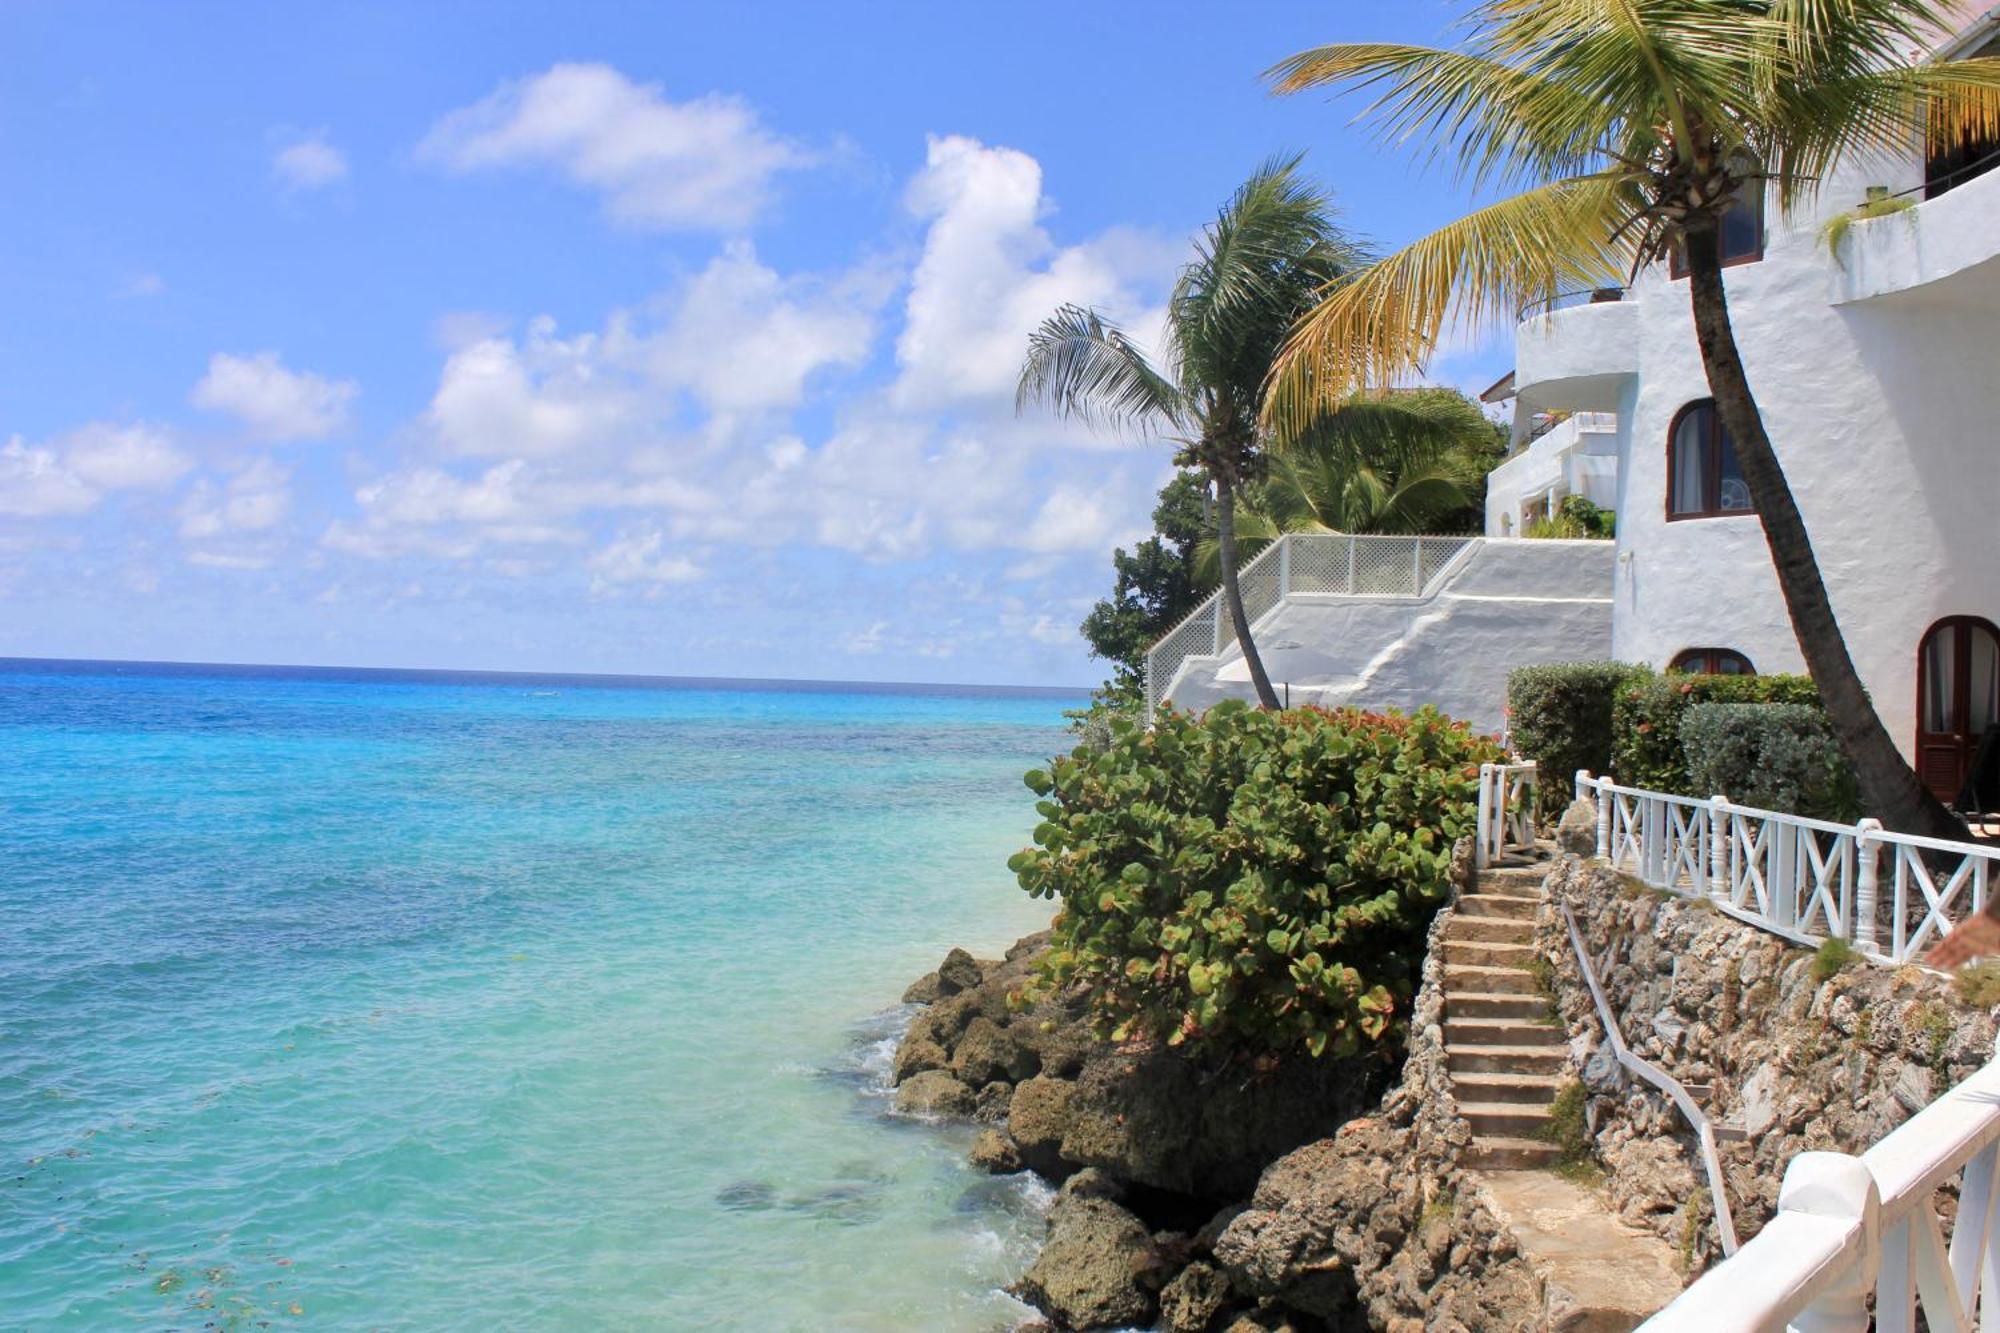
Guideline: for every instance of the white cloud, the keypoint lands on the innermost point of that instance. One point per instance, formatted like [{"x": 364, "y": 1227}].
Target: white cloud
[
  {"x": 253, "y": 500},
  {"x": 229, "y": 560},
  {"x": 274, "y": 403},
  {"x": 541, "y": 398},
  {"x": 140, "y": 286},
  {"x": 1070, "y": 520},
  {"x": 71, "y": 473},
  {"x": 309, "y": 162},
  {"x": 989, "y": 274},
  {"x": 638, "y": 557},
  {"x": 703, "y": 163}
]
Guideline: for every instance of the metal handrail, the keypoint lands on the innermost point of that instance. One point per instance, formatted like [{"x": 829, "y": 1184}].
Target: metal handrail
[
  {"x": 1711, "y": 1160},
  {"x": 1575, "y": 297},
  {"x": 1950, "y": 179}
]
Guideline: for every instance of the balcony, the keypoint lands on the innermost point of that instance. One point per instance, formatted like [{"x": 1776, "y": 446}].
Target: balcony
[
  {"x": 1574, "y": 353},
  {"x": 1940, "y": 251}
]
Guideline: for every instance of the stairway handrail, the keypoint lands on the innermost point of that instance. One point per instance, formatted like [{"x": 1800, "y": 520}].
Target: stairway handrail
[{"x": 1711, "y": 1160}]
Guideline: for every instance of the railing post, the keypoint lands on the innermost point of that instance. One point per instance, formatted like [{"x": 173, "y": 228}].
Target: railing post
[
  {"x": 1652, "y": 843},
  {"x": 1604, "y": 800},
  {"x": 1781, "y": 870},
  {"x": 1582, "y": 783},
  {"x": 1867, "y": 882},
  {"x": 1481, "y": 856},
  {"x": 1838, "y": 1187},
  {"x": 1718, "y": 865}
]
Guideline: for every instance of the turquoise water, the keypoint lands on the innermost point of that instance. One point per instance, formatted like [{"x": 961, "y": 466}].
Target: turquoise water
[{"x": 374, "y": 1002}]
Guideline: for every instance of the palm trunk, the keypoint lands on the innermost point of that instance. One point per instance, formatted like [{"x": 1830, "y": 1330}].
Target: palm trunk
[
  {"x": 1232, "y": 592},
  {"x": 1889, "y": 788}
]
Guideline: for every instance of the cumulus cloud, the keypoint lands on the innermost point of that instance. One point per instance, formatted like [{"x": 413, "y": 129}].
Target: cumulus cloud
[
  {"x": 255, "y": 499},
  {"x": 708, "y": 162},
  {"x": 308, "y": 162},
  {"x": 640, "y": 557},
  {"x": 70, "y": 474},
  {"x": 542, "y": 397},
  {"x": 273, "y": 402}
]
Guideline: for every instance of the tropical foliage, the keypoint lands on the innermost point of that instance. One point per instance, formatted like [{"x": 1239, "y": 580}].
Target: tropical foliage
[
  {"x": 1412, "y": 461},
  {"x": 1628, "y": 128},
  {"x": 1560, "y": 716},
  {"x": 1257, "y": 267},
  {"x": 1252, "y": 882},
  {"x": 1649, "y": 709},
  {"x": 1772, "y": 756}
]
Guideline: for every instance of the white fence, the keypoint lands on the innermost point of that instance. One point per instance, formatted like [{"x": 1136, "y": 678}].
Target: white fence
[
  {"x": 1851, "y": 1227},
  {"x": 1323, "y": 563},
  {"x": 1891, "y": 895},
  {"x": 1506, "y": 811}
]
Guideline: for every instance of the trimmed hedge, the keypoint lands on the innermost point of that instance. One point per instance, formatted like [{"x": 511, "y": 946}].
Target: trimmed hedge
[
  {"x": 1561, "y": 716},
  {"x": 1250, "y": 883},
  {"x": 1647, "y": 720},
  {"x": 1776, "y": 756}
]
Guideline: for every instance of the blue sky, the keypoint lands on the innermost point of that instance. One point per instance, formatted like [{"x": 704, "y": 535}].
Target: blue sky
[{"x": 606, "y": 337}]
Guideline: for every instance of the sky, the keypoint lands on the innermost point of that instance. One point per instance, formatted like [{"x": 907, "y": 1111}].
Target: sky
[{"x": 673, "y": 339}]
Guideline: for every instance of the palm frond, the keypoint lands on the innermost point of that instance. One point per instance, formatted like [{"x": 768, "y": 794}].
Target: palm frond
[{"x": 1081, "y": 365}]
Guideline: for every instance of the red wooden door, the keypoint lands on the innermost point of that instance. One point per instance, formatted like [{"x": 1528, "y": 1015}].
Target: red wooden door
[{"x": 1958, "y": 697}]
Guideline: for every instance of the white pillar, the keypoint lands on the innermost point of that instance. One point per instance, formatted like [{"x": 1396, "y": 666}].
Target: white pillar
[
  {"x": 1838, "y": 1187},
  {"x": 1718, "y": 862},
  {"x": 1481, "y": 856},
  {"x": 1867, "y": 883},
  {"x": 1604, "y": 800}
]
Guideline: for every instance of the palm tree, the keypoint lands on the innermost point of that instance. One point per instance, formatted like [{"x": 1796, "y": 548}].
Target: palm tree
[
  {"x": 1629, "y": 126},
  {"x": 1269, "y": 253},
  {"x": 1405, "y": 462}
]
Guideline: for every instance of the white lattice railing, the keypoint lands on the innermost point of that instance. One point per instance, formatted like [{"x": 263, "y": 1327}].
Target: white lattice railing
[
  {"x": 1804, "y": 879},
  {"x": 1308, "y": 563},
  {"x": 1848, "y": 1228},
  {"x": 1506, "y": 811}
]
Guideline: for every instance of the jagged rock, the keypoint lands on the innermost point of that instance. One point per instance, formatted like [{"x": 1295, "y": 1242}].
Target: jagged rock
[
  {"x": 1086, "y": 1275},
  {"x": 1204, "y": 1239},
  {"x": 1191, "y": 1302},
  {"x": 994, "y": 1100},
  {"x": 926, "y": 989},
  {"x": 1601, "y": 1071},
  {"x": 1090, "y": 1183},
  {"x": 1576, "y": 831},
  {"x": 1028, "y": 946},
  {"x": 994, "y": 1153},
  {"x": 987, "y": 1052},
  {"x": 959, "y": 971},
  {"x": 916, "y": 1055},
  {"x": 935, "y": 1093},
  {"x": 1038, "y": 1117}
]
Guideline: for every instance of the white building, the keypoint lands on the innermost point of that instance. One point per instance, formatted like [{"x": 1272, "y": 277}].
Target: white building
[{"x": 1876, "y": 364}]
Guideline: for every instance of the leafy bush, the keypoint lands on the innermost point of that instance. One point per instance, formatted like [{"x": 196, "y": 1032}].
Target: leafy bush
[
  {"x": 1773, "y": 756},
  {"x": 1560, "y": 716},
  {"x": 1252, "y": 882},
  {"x": 1647, "y": 721},
  {"x": 1578, "y": 517},
  {"x": 1109, "y": 709}
]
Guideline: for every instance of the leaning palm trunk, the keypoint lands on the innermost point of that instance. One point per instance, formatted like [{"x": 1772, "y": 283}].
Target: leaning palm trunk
[
  {"x": 1232, "y": 591},
  {"x": 1901, "y": 801}
]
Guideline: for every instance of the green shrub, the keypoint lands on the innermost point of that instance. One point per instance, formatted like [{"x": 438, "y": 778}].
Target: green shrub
[
  {"x": 1249, "y": 882},
  {"x": 1560, "y": 716},
  {"x": 1832, "y": 955},
  {"x": 1646, "y": 721},
  {"x": 1773, "y": 756}
]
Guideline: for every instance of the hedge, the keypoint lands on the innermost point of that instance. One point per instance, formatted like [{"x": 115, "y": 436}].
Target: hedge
[
  {"x": 1560, "y": 716},
  {"x": 1776, "y": 756},
  {"x": 1250, "y": 883},
  {"x": 1647, "y": 718}
]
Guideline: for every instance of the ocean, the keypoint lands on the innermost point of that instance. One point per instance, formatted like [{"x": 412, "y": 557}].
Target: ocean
[{"x": 400, "y": 1000}]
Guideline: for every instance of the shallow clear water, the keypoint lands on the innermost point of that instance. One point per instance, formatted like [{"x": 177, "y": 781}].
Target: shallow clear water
[{"x": 379, "y": 1003}]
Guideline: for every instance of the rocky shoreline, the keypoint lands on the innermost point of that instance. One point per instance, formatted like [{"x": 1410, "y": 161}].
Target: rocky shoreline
[{"x": 1157, "y": 1221}]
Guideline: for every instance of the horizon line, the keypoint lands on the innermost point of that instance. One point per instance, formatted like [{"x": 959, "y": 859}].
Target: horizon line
[{"x": 584, "y": 677}]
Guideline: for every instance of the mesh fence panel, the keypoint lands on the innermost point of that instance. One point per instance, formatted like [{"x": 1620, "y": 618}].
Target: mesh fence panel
[
  {"x": 1385, "y": 567},
  {"x": 1319, "y": 562},
  {"x": 1193, "y": 637},
  {"x": 1437, "y": 553}
]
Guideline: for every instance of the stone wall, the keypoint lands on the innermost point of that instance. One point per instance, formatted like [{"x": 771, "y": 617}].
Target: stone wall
[{"x": 1798, "y": 1061}]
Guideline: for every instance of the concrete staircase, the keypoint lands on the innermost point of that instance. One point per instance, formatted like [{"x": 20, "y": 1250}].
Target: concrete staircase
[{"x": 1504, "y": 1053}]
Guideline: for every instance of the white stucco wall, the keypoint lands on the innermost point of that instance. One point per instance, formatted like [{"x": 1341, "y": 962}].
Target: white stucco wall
[
  {"x": 1508, "y": 604},
  {"x": 1881, "y": 392},
  {"x": 1576, "y": 457}
]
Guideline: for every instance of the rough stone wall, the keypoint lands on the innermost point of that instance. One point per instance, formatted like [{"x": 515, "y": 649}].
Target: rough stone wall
[{"x": 1799, "y": 1062}]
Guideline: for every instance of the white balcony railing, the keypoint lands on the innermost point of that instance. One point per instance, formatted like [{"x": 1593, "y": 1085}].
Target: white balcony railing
[
  {"x": 1302, "y": 563},
  {"x": 1506, "y": 811},
  {"x": 1848, "y": 1228},
  {"x": 1890, "y": 895}
]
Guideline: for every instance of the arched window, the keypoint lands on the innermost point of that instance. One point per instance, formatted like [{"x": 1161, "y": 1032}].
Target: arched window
[
  {"x": 1958, "y": 699},
  {"x": 1703, "y": 480},
  {"x": 1712, "y": 662}
]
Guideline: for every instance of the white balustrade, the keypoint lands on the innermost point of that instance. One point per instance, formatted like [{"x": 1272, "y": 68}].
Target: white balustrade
[
  {"x": 1891, "y": 895},
  {"x": 1506, "y": 811},
  {"x": 1851, "y": 1227}
]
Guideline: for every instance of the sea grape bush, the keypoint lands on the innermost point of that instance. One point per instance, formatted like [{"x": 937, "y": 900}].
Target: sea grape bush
[{"x": 1247, "y": 883}]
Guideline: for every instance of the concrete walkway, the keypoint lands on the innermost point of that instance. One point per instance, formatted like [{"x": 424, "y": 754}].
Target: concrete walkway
[{"x": 1598, "y": 1274}]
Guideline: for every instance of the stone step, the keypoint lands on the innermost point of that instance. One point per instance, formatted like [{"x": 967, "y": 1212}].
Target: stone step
[
  {"x": 1510, "y": 929},
  {"x": 1505, "y": 1059},
  {"x": 1512, "y": 879},
  {"x": 1489, "y": 980},
  {"x": 1498, "y": 904},
  {"x": 1530, "y": 1089},
  {"x": 1505, "y": 1153},
  {"x": 1488, "y": 953},
  {"x": 1597, "y": 1274},
  {"x": 1525, "y": 1120},
  {"x": 1479, "y": 1005},
  {"x": 1501, "y": 1032}
]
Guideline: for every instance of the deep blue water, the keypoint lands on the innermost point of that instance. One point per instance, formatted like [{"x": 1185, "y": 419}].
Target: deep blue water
[{"x": 446, "y": 1000}]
